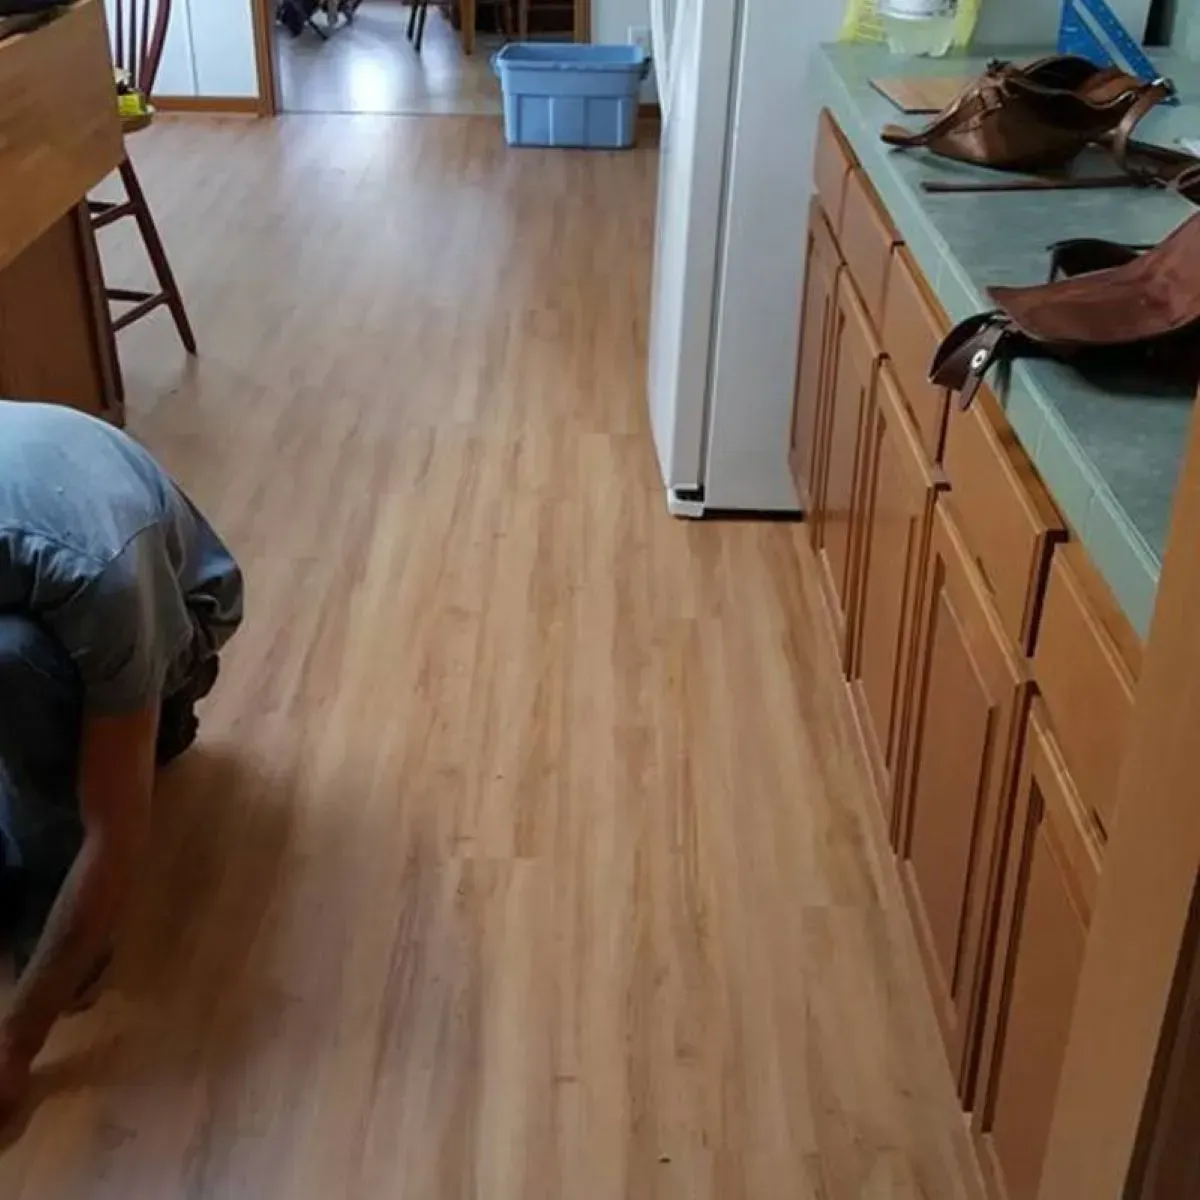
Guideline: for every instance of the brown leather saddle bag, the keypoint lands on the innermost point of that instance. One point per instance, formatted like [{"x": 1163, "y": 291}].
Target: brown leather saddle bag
[
  {"x": 1119, "y": 313},
  {"x": 1038, "y": 117}
]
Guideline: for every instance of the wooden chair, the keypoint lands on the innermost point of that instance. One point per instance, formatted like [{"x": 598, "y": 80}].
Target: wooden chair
[
  {"x": 138, "y": 34},
  {"x": 514, "y": 19}
]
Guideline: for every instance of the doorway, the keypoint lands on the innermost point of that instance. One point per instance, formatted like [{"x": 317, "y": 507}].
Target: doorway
[{"x": 365, "y": 56}]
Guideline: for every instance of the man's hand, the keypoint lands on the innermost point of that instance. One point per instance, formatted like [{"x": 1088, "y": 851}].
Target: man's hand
[{"x": 115, "y": 783}]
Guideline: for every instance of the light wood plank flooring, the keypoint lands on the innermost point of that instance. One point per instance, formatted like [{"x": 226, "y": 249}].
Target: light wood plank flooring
[{"x": 524, "y": 855}]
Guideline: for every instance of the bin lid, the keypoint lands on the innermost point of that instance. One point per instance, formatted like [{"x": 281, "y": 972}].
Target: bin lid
[{"x": 571, "y": 56}]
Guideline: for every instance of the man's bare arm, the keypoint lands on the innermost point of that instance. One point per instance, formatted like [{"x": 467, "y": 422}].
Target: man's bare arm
[{"x": 116, "y": 780}]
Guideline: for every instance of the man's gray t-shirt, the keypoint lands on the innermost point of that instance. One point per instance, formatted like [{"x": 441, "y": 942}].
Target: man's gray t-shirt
[{"x": 100, "y": 547}]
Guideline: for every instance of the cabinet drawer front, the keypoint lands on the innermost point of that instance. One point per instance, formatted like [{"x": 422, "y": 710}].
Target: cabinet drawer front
[
  {"x": 1049, "y": 891},
  {"x": 970, "y": 693},
  {"x": 913, "y": 327},
  {"x": 1087, "y": 689},
  {"x": 867, "y": 240},
  {"x": 834, "y": 162},
  {"x": 1007, "y": 517}
]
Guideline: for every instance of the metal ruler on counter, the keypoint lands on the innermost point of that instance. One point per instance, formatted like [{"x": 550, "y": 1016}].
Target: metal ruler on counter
[{"x": 1092, "y": 30}]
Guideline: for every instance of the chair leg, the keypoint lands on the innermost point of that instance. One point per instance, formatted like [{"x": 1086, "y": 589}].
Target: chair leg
[
  {"x": 421, "y": 25},
  {"x": 158, "y": 254},
  {"x": 413, "y": 8}
]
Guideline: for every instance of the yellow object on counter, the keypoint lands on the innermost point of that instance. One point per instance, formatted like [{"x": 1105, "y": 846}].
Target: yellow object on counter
[{"x": 862, "y": 22}]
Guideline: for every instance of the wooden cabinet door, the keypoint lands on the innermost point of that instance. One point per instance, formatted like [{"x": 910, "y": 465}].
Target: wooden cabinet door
[
  {"x": 970, "y": 692},
  {"x": 855, "y": 358},
  {"x": 812, "y": 370},
  {"x": 1047, "y": 903},
  {"x": 897, "y": 508},
  {"x": 56, "y": 339}
]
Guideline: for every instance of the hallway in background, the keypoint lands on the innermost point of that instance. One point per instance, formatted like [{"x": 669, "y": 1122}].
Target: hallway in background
[{"x": 367, "y": 65}]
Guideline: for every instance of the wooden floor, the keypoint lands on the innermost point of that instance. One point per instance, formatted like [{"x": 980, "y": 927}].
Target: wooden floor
[
  {"x": 523, "y": 856},
  {"x": 369, "y": 66}
]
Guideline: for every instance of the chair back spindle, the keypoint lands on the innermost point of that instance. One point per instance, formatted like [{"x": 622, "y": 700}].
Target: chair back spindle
[{"x": 138, "y": 34}]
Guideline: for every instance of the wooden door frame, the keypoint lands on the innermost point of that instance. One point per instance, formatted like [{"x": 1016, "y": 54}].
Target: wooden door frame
[
  {"x": 266, "y": 50},
  {"x": 1140, "y": 933}
]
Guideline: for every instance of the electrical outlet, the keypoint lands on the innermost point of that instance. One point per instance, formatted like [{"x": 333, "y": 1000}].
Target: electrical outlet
[{"x": 639, "y": 35}]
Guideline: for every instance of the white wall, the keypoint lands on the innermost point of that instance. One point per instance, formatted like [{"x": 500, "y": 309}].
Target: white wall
[
  {"x": 611, "y": 20},
  {"x": 209, "y": 49}
]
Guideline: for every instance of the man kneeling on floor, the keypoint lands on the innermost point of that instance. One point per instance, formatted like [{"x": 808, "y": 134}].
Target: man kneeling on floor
[{"x": 115, "y": 597}]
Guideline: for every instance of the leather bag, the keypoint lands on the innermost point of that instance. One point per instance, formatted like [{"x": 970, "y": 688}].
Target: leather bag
[
  {"x": 1038, "y": 117},
  {"x": 1119, "y": 312}
]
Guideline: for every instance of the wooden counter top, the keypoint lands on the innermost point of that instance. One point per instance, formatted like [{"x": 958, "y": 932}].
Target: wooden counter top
[{"x": 59, "y": 129}]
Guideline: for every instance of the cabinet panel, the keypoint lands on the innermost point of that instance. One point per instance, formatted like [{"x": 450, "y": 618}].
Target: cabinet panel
[
  {"x": 867, "y": 240},
  {"x": 813, "y": 367},
  {"x": 898, "y": 505},
  {"x": 855, "y": 356},
  {"x": 1005, "y": 514},
  {"x": 834, "y": 162},
  {"x": 970, "y": 695},
  {"x": 55, "y": 337},
  {"x": 1047, "y": 901},
  {"x": 1087, "y": 689}
]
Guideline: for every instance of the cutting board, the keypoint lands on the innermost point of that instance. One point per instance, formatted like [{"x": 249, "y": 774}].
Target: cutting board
[{"x": 922, "y": 94}]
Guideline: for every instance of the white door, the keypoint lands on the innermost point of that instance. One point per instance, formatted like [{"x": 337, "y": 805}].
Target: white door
[{"x": 695, "y": 60}]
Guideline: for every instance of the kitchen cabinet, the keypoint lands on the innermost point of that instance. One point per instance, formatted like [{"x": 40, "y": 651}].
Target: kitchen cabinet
[
  {"x": 1046, "y": 908},
  {"x": 61, "y": 136},
  {"x": 898, "y": 505},
  {"x": 56, "y": 339},
  {"x": 854, "y": 355},
  {"x": 970, "y": 691},
  {"x": 998, "y": 691},
  {"x": 822, "y": 264}
]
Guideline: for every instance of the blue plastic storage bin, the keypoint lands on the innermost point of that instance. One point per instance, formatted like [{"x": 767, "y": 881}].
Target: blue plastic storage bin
[{"x": 571, "y": 95}]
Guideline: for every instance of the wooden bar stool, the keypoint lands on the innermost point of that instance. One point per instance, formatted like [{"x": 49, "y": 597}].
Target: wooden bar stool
[{"x": 139, "y": 33}]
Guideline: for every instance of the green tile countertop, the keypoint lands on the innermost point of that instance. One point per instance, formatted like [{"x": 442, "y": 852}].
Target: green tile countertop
[{"x": 1111, "y": 460}]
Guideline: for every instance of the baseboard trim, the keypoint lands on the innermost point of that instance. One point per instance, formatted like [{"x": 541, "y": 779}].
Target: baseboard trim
[{"x": 246, "y": 105}]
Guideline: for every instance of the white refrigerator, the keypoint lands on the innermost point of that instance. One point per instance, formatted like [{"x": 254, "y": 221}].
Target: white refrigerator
[{"x": 734, "y": 184}]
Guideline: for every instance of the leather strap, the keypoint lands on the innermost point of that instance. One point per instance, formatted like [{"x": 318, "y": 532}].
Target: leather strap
[
  {"x": 1151, "y": 96},
  {"x": 907, "y": 139},
  {"x": 969, "y": 350},
  {"x": 1187, "y": 183}
]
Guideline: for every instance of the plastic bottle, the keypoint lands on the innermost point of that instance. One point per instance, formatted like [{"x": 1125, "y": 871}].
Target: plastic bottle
[{"x": 917, "y": 27}]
